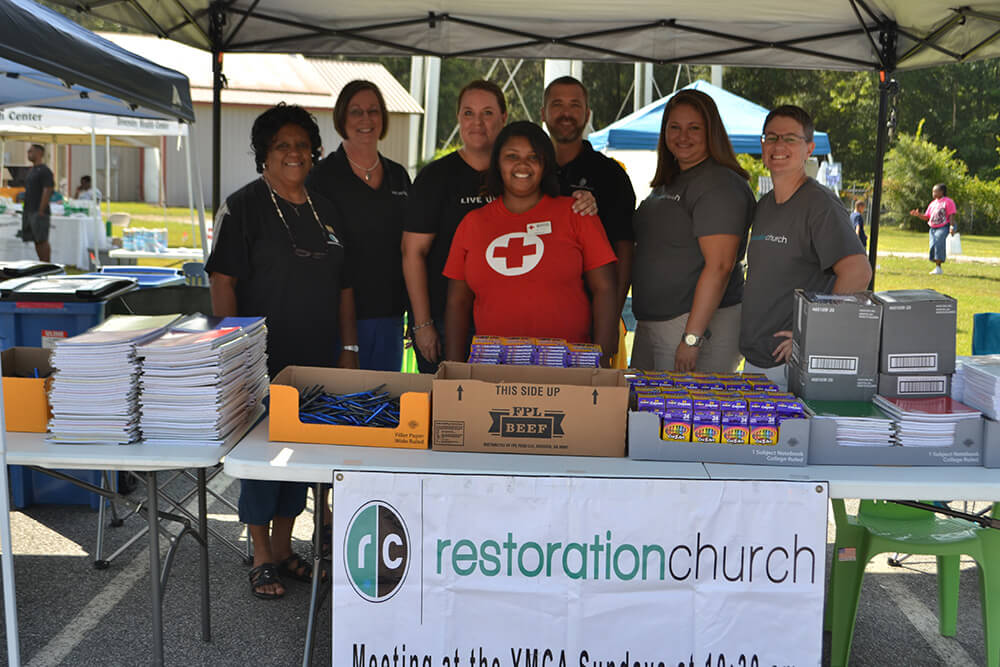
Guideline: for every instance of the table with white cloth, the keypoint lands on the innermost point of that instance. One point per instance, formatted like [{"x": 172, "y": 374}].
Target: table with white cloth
[
  {"x": 72, "y": 239},
  {"x": 258, "y": 458}
]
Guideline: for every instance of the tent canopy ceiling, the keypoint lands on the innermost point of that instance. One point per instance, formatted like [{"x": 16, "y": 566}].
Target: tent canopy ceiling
[
  {"x": 743, "y": 119},
  {"x": 50, "y": 61},
  {"x": 839, "y": 34}
]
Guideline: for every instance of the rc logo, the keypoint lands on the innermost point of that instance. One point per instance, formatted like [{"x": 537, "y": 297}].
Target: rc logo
[
  {"x": 515, "y": 254},
  {"x": 376, "y": 551}
]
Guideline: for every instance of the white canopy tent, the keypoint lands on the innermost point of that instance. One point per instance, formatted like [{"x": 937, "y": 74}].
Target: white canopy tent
[{"x": 876, "y": 35}]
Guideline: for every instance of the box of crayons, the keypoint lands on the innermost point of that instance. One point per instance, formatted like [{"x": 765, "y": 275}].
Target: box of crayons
[{"x": 715, "y": 418}]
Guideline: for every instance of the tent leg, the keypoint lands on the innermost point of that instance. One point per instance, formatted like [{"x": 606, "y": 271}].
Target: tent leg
[
  {"x": 199, "y": 193},
  {"x": 7, "y": 556},
  {"x": 217, "y": 23}
]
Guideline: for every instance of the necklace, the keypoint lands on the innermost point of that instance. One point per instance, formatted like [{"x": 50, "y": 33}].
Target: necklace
[
  {"x": 295, "y": 248},
  {"x": 368, "y": 170}
]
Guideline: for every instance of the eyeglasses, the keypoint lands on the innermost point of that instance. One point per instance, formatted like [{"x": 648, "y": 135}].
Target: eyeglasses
[
  {"x": 296, "y": 250},
  {"x": 787, "y": 139}
]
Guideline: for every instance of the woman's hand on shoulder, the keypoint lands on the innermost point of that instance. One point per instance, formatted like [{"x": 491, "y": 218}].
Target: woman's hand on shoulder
[{"x": 584, "y": 202}]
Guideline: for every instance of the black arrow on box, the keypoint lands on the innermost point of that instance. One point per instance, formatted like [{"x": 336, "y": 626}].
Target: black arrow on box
[
  {"x": 595, "y": 397},
  {"x": 460, "y": 392}
]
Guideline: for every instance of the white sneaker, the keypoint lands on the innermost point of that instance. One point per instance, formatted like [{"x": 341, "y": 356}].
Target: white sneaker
[{"x": 936, "y": 271}]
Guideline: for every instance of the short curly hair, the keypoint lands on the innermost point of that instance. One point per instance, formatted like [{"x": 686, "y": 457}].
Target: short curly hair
[
  {"x": 270, "y": 123},
  {"x": 540, "y": 143}
]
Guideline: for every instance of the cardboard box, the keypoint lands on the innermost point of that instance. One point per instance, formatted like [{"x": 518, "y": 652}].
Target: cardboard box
[
  {"x": 835, "y": 346},
  {"x": 644, "y": 442},
  {"x": 414, "y": 390},
  {"x": 529, "y": 410},
  {"x": 25, "y": 397},
  {"x": 914, "y": 386},
  {"x": 918, "y": 331}
]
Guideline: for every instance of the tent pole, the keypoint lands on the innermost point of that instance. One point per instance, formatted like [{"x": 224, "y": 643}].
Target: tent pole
[
  {"x": 93, "y": 160},
  {"x": 887, "y": 90},
  {"x": 201, "y": 205},
  {"x": 217, "y": 18},
  {"x": 107, "y": 174},
  {"x": 7, "y": 555},
  {"x": 3, "y": 151}
]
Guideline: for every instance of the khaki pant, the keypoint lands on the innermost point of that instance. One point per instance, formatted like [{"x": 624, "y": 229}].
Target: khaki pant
[{"x": 656, "y": 343}]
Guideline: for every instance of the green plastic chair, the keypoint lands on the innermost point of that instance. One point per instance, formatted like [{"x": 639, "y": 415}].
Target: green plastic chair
[{"x": 885, "y": 527}]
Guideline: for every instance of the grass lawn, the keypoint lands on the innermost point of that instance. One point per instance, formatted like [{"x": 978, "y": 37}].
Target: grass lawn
[{"x": 898, "y": 240}]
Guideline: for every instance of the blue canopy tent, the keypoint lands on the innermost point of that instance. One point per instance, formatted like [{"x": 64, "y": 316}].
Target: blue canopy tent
[{"x": 743, "y": 119}]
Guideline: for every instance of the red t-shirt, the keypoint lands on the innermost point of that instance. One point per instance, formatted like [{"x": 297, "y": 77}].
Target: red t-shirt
[{"x": 526, "y": 271}]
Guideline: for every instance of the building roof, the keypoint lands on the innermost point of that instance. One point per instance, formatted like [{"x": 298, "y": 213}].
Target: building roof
[{"x": 264, "y": 79}]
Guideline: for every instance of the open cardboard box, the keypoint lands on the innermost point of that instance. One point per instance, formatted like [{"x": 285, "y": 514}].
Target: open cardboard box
[
  {"x": 25, "y": 397},
  {"x": 413, "y": 389},
  {"x": 529, "y": 410}
]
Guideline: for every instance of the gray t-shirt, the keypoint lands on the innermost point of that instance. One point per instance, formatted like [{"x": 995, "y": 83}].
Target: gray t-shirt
[
  {"x": 792, "y": 245},
  {"x": 703, "y": 200}
]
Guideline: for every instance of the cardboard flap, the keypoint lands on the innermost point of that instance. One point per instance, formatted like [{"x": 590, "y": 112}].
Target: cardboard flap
[{"x": 583, "y": 377}]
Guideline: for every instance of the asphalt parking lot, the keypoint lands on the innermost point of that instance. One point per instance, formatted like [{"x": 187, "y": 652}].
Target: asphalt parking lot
[{"x": 70, "y": 613}]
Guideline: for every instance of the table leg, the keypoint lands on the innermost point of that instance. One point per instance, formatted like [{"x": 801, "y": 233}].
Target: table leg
[
  {"x": 206, "y": 630},
  {"x": 154, "y": 567},
  {"x": 317, "y": 573}
]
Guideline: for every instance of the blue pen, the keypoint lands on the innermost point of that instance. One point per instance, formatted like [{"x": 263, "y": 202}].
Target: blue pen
[{"x": 36, "y": 372}]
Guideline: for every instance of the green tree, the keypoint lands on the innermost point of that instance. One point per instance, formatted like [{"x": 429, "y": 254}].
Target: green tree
[{"x": 912, "y": 167}]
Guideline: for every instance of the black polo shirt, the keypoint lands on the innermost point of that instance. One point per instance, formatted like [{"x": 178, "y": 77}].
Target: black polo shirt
[
  {"x": 609, "y": 184},
  {"x": 373, "y": 225}
]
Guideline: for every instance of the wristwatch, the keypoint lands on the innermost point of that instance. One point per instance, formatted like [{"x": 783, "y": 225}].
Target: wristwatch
[
  {"x": 351, "y": 348},
  {"x": 694, "y": 340}
]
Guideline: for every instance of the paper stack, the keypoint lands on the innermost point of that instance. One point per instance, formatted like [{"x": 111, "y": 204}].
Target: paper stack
[
  {"x": 926, "y": 422},
  {"x": 982, "y": 384},
  {"x": 95, "y": 387},
  {"x": 859, "y": 423},
  {"x": 203, "y": 387}
]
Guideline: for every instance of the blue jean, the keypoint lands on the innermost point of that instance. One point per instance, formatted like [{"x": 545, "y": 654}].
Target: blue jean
[
  {"x": 938, "y": 237},
  {"x": 380, "y": 343},
  {"x": 262, "y": 500}
]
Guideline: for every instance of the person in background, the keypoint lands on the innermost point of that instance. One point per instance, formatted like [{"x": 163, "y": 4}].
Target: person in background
[
  {"x": 279, "y": 253},
  {"x": 691, "y": 235},
  {"x": 38, "y": 188},
  {"x": 443, "y": 193},
  {"x": 526, "y": 264},
  {"x": 86, "y": 190},
  {"x": 801, "y": 237},
  {"x": 565, "y": 112},
  {"x": 858, "y": 221},
  {"x": 939, "y": 216},
  {"x": 370, "y": 192}
]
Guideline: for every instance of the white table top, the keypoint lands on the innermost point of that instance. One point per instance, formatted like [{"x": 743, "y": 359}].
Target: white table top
[
  {"x": 31, "y": 449},
  {"x": 257, "y": 458},
  {"x": 886, "y": 482},
  {"x": 194, "y": 254}
]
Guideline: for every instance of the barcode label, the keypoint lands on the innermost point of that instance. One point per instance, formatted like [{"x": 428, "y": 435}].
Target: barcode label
[
  {"x": 833, "y": 365},
  {"x": 913, "y": 362},
  {"x": 921, "y": 385}
]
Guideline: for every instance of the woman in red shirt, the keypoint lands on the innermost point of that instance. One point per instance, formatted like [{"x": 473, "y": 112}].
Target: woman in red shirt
[{"x": 526, "y": 264}]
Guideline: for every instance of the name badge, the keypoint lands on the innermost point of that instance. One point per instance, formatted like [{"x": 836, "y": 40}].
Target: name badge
[{"x": 539, "y": 228}]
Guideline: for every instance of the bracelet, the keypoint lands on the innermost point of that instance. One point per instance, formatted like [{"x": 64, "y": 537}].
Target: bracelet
[
  {"x": 425, "y": 324},
  {"x": 351, "y": 348}
]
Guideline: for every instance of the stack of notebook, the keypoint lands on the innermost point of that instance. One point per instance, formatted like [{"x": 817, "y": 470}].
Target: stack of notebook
[
  {"x": 95, "y": 388},
  {"x": 859, "y": 423},
  {"x": 981, "y": 388},
  {"x": 203, "y": 381},
  {"x": 926, "y": 422}
]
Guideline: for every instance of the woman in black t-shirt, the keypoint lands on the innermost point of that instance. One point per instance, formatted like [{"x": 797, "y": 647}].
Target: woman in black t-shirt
[
  {"x": 278, "y": 253},
  {"x": 369, "y": 191}
]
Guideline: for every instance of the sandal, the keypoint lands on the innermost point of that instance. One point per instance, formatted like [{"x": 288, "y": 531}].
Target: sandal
[
  {"x": 264, "y": 575},
  {"x": 298, "y": 568}
]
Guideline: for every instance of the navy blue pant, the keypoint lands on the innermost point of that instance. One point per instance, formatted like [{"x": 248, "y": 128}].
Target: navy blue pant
[
  {"x": 261, "y": 500},
  {"x": 380, "y": 343}
]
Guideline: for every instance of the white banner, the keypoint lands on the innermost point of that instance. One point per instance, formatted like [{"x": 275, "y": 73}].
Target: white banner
[{"x": 493, "y": 571}]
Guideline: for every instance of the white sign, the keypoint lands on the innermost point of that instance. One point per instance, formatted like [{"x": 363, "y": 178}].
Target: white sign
[
  {"x": 494, "y": 571},
  {"x": 61, "y": 121}
]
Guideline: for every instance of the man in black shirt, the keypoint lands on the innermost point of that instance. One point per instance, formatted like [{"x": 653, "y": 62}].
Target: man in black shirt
[
  {"x": 565, "y": 112},
  {"x": 38, "y": 188}
]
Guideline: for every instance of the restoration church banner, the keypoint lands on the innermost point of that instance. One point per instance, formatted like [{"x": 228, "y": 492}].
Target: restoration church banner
[{"x": 498, "y": 571}]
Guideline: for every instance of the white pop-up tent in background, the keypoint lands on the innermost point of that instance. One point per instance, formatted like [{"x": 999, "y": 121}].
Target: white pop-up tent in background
[{"x": 49, "y": 61}]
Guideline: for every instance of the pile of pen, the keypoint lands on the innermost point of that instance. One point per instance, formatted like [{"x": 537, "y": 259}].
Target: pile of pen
[{"x": 374, "y": 408}]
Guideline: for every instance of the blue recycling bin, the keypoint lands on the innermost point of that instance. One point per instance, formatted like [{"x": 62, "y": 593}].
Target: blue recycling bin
[
  {"x": 25, "y": 267},
  {"x": 147, "y": 277},
  {"x": 37, "y": 312}
]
